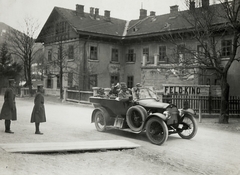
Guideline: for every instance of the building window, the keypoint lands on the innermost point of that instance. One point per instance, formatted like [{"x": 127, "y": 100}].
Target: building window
[
  {"x": 201, "y": 51},
  {"x": 50, "y": 55},
  {"x": 70, "y": 79},
  {"x": 49, "y": 83},
  {"x": 114, "y": 79},
  {"x": 114, "y": 55},
  {"x": 60, "y": 52},
  {"x": 61, "y": 27},
  {"x": 131, "y": 56},
  {"x": 130, "y": 81},
  {"x": 162, "y": 53},
  {"x": 146, "y": 52},
  {"x": 226, "y": 47},
  {"x": 93, "y": 81},
  {"x": 181, "y": 53},
  {"x": 70, "y": 52},
  {"x": 93, "y": 53}
]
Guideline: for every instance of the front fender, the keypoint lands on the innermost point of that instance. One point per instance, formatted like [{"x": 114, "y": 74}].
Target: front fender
[
  {"x": 98, "y": 109},
  {"x": 159, "y": 115},
  {"x": 189, "y": 111}
]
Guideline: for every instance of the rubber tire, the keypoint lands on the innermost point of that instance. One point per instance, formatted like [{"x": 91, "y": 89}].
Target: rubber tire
[
  {"x": 164, "y": 130},
  {"x": 195, "y": 127},
  {"x": 143, "y": 115},
  {"x": 103, "y": 122}
]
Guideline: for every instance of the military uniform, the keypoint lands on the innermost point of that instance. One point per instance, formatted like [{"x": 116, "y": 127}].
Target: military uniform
[
  {"x": 9, "y": 111},
  {"x": 38, "y": 114}
]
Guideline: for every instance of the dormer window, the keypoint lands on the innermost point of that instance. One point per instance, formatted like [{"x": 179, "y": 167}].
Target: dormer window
[
  {"x": 135, "y": 29},
  {"x": 166, "y": 25},
  {"x": 153, "y": 19}
]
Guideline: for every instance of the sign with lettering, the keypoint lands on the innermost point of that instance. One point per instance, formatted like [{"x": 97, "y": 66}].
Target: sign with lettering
[{"x": 200, "y": 90}]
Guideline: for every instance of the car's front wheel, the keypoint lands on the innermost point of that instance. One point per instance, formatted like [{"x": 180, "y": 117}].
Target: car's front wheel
[
  {"x": 100, "y": 121},
  {"x": 156, "y": 130},
  {"x": 188, "y": 126}
]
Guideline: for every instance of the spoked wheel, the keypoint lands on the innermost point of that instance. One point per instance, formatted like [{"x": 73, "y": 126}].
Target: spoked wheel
[
  {"x": 188, "y": 126},
  {"x": 100, "y": 121},
  {"x": 135, "y": 117},
  {"x": 156, "y": 130}
]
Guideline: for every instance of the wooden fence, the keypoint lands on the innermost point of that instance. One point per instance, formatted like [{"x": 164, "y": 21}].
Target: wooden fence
[
  {"x": 78, "y": 96},
  {"x": 208, "y": 104}
]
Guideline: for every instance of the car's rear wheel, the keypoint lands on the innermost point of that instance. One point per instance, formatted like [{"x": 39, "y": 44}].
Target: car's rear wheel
[
  {"x": 156, "y": 131},
  {"x": 136, "y": 117},
  {"x": 100, "y": 121},
  {"x": 188, "y": 128}
]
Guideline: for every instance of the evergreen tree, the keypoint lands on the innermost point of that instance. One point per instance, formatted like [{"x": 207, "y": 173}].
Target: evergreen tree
[{"x": 8, "y": 68}]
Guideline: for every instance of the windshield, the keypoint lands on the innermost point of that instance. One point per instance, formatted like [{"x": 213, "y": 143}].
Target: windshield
[{"x": 143, "y": 93}]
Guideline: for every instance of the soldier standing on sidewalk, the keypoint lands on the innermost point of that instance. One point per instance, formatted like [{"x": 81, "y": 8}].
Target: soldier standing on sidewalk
[
  {"x": 9, "y": 111},
  {"x": 38, "y": 114}
]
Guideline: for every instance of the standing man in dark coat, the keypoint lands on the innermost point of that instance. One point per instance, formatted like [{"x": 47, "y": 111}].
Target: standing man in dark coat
[
  {"x": 38, "y": 113},
  {"x": 9, "y": 111}
]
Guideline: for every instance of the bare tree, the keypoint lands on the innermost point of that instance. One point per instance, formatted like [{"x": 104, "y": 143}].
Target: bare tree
[
  {"x": 22, "y": 44},
  {"x": 213, "y": 26}
]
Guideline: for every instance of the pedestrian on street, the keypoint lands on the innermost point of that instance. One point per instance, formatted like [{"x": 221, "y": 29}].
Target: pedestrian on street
[
  {"x": 38, "y": 114},
  {"x": 9, "y": 111}
]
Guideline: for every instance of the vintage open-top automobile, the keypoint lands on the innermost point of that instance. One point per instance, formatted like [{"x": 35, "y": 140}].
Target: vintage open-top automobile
[{"x": 143, "y": 113}]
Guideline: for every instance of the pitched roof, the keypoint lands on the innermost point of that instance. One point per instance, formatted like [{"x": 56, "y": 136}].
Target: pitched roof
[
  {"x": 89, "y": 24},
  {"x": 170, "y": 22},
  {"x": 122, "y": 28}
]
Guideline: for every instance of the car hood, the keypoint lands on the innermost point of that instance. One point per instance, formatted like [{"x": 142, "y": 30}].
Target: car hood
[{"x": 152, "y": 103}]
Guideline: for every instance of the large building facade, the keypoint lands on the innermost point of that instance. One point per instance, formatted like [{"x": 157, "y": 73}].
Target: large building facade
[{"x": 98, "y": 50}]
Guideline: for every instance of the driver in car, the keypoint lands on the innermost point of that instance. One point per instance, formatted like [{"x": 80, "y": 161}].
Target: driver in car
[{"x": 124, "y": 93}]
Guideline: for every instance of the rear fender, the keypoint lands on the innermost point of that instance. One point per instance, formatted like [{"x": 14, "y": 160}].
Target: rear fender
[
  {"x": 158, "y": 115},
  {"x": 98, "y": 109}
]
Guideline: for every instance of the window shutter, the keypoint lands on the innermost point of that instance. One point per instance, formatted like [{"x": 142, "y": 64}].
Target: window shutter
[
  {"x": 134, "y": 57},
  {"x": 126, "y": 57}
]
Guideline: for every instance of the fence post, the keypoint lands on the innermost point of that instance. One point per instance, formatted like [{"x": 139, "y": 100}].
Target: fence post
[
  {"x": 200, "y": 111},
  {"x": 65, "y": 94},
  {"x": 21, "y": 92}
]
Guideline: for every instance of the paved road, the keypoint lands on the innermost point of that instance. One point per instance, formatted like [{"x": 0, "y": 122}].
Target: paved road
[{"x": 211, "y": 151}]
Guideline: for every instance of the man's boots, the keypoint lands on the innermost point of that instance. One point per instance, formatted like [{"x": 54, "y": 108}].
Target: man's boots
[
  {"x": 7, "y": 126},
  {"x": 37, "y": 129}
]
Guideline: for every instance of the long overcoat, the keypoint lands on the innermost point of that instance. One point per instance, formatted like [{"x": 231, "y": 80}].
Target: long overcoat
[
  {"x": 38, "y": 113},
  {"x": 9, "y": 111}
]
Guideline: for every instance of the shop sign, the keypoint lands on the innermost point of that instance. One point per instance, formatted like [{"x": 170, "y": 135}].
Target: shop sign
[{"x": 200, "y": 90}]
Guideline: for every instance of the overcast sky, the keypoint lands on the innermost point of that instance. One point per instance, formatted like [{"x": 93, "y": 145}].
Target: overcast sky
[{"x": 13, "y": 12}]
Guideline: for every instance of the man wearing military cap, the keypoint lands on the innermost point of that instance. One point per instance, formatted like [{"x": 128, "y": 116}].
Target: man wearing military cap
[
  {"x": 9, "y": 111},
  {"x": 124, "y": 93}
]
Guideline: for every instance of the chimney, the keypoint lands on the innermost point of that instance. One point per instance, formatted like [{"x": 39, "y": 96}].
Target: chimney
[
  {"x": 107, "y": 15},
  {"x": 152, "y": 13},
  {"x": 96, "y": 13},
  {"x": 205, "y": 3},
  {"x": 91, "y": 11},
  {"x": 192, "y": 5},
  {"x": 80, "y": 10},
  {"x": 143, "y": 14},
  {"x": 174, "y": 9}
]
